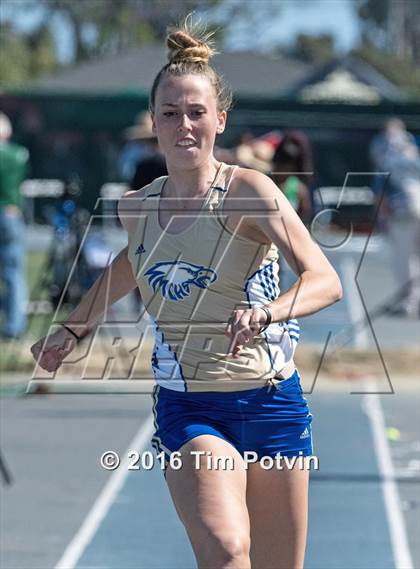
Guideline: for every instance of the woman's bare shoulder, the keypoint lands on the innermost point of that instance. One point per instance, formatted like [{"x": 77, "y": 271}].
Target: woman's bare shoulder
[
  {"x": 256, "y": 192},
  {"x": 251, "y": 183},
  {"x": 130, "y": 205}
]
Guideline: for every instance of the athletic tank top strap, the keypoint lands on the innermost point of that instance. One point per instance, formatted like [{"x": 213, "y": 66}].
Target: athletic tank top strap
[
  {"x": 217, "y": 191},
  {"x": 154, "y": 189},
  {"x": 221, "y": 185}
]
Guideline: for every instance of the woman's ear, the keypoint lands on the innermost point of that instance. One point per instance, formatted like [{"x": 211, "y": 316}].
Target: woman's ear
[
  {"x": 153, "y": 122},
  {"x": 221, "y": 122}
]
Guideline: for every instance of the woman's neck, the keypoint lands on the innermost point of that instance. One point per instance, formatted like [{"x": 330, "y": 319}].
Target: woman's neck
[{"x": 190, "y": 183}]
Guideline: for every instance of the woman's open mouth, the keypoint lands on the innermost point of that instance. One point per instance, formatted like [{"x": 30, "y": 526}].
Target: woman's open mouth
[{"x": 186, "y": 143}]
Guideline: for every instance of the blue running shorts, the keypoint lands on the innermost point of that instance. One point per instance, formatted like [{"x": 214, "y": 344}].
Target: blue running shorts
[{"x": 271, "y": 420}]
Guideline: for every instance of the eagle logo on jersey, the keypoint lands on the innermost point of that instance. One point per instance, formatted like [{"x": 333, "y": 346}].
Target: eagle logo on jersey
[{"x": 174, "y": 279}]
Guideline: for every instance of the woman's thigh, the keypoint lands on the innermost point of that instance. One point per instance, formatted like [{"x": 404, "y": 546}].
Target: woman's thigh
[
  {"x": 210, "y": 499},
  {"x": 278, "y": 510}
]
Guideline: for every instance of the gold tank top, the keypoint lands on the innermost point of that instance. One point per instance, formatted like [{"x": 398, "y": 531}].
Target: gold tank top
[{"x": 190, "y": 283}]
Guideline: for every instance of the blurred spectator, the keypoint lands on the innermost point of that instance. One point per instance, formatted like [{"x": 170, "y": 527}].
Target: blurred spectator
[
  {"x": 226, "y": 155},
  {"x": 150, "y": 168},
  {"x": 394, "y": 151},
  {"x": 150, "y": 163},
  {"x": 65, "y": 154},
  {"x": 254, "y": 153},
  {"x": 292, "y": 172},
  {"x": 13, "y": 169},
  {"x": 137, "y": 147}
]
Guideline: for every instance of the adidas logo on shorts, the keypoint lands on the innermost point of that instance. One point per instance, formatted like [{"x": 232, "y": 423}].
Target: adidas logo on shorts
[{"x": 305, "y": 434}]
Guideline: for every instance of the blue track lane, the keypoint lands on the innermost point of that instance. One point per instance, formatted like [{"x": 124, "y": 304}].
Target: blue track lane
[{"x": 347, "y": 521}]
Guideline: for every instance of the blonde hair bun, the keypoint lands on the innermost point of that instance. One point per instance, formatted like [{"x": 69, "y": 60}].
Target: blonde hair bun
[
  {"x": 190, "y": 48},
  {"x": 190, "y": 43}
]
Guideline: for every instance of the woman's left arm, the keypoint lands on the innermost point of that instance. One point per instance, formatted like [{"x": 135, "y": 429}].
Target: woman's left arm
[{"x": 317, "y": 286}]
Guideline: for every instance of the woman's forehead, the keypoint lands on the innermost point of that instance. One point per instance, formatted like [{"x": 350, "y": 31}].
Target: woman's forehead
[{"x": 174, "y": 90}]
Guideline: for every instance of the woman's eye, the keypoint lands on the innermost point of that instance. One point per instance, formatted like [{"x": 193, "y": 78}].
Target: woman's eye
[{"x": 174, "y": 113}]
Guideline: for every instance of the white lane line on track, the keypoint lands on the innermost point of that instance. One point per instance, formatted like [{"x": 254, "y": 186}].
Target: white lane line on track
[
  {"x": 104, "y": 501},
  {"x": 357, "y": 313},
  {"x": 399, "y": 541}
]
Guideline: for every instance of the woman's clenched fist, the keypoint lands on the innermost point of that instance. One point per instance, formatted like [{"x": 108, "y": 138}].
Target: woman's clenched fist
[
  {"x": 51, "y": 350},
  {"x": 242, "y": 326}
]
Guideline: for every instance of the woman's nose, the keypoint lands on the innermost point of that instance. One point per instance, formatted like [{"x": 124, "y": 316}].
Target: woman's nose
[{"x": 184, "y": 123}]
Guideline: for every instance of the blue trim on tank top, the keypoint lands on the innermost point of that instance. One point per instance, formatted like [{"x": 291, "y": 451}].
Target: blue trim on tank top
[{"x": 150, "y": 196}]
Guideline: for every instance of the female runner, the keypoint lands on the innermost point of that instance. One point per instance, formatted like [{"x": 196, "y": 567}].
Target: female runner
[{"x": 204, "y": 255}]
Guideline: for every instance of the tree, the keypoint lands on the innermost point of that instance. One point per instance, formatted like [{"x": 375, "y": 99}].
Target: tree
[
  {"x": 401, "y": 72},
  {"x": 392, "y": 25},
  {"x": 24, "y": 57},
  {"x": 105, "y": 27},
  {"x": 313, "y": 49},
  {"x": 390, "y": 40},
  {"x": 43, "y": 57}
]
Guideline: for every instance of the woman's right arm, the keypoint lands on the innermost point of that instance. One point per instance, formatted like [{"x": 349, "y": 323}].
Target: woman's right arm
[{"x": 116, "y": 281}]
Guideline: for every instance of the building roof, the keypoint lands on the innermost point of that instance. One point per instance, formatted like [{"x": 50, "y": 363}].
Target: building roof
[
  {"x": 247, "y": 73},
  {"x": 345, "y": 80}
]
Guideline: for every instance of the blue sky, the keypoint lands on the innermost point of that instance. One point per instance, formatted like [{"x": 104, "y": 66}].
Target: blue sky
[
  {"x": 294, "y": 16},
  {"x": 336, "y": 17}
]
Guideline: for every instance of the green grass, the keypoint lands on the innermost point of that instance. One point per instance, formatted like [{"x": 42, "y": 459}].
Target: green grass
[
  {"x": 35, "y": 263},
  {"x": 37, "y": 272},
  {"x": 16, "y": 355}
]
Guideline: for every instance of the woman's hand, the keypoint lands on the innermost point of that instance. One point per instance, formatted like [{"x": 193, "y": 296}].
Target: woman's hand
[
  {"x": 50, "y": 351},
  {"x": 242, "y": 326}
]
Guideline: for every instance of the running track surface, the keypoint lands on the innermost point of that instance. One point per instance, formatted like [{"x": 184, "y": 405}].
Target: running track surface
[{"x": 53, "y": 445}]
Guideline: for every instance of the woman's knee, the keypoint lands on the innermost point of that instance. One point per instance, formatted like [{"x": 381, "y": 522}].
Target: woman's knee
[{"x": 228, "y": 549}]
